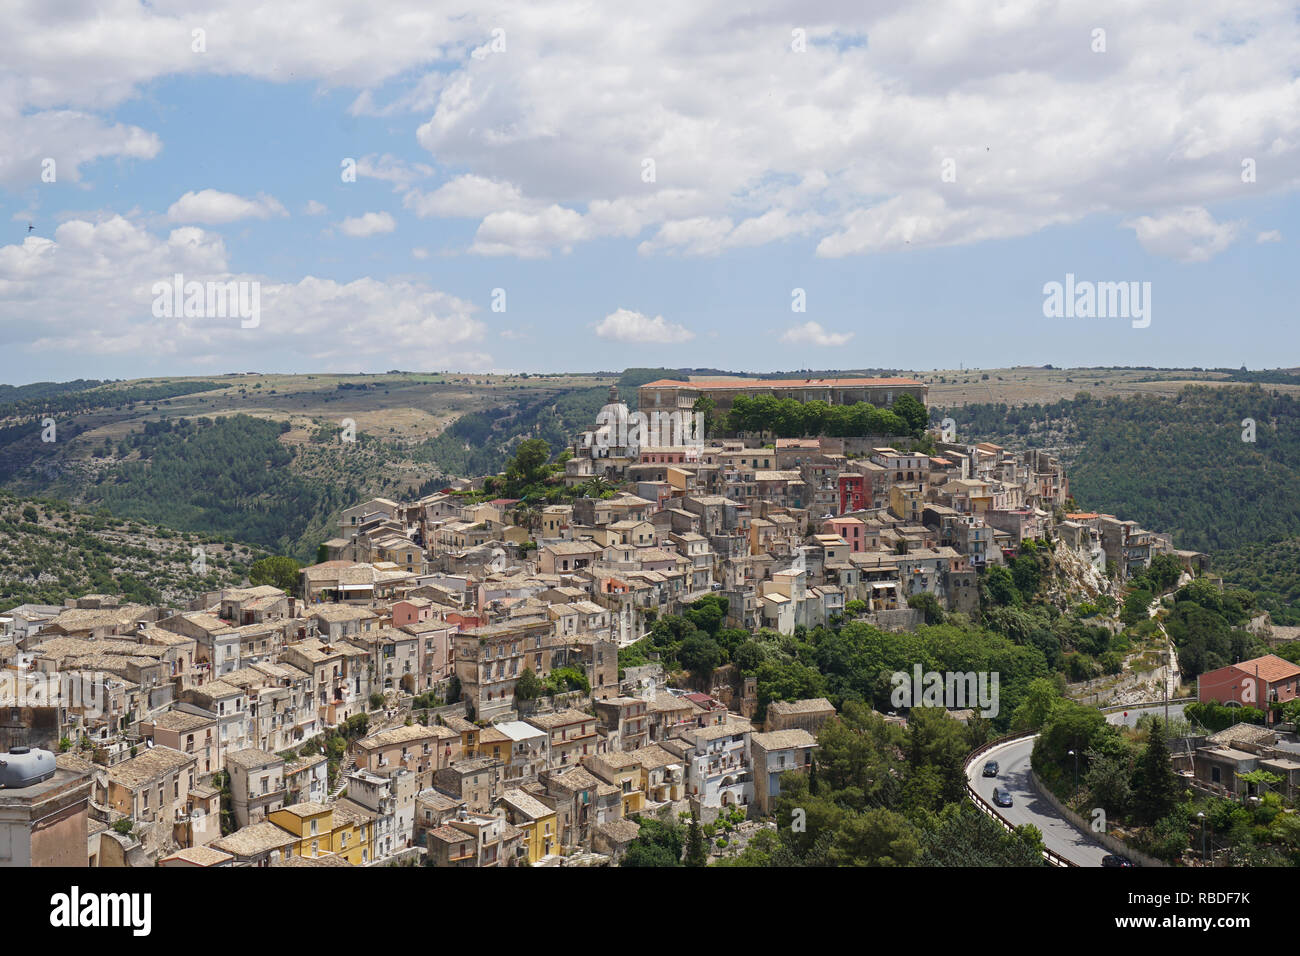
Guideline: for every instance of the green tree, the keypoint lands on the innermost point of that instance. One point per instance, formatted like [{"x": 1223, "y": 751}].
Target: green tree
[
  {"x": 913, "y": 413},
  {"x": 1001, "y": 586},
  {"x": 1036, "y": 707},
  {"x": 875, "y": 837},
  {"x": 700, "y": 654},
  {"x": 928, "y": 604},
  {"x": 749, "y": 656},
  {"x": 529, "y": 686},
  {"x": 1155, "y": 785},
  {"x": 964, "y": 836},
  {"x": 528, "y": 466},
  {"x": 658, "y": 844},
  {"x": 1026, "y": 574},
  {"x": 937, "y": 743},
  {"x": 706, "y": 406},
  {"x": 697, "y": 854},
  {"x": 277, "y": 571},
  {"x": 1109, "y": 781}
]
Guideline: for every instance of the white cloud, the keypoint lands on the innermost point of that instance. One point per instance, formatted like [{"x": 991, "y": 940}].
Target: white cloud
[
  {"x": 215, "y": 207},
  {"x": 811, "y": 333},
  {"x": 392, "y": 170},
  {"x": 314, "y": 208},
  {"x": 419, "y": 252},
  {"x": 529, "y": 234},
  {"x": 369, "y": 224},
  {"x": 464, "y": 197},
  {"x": 90, "y": 290},
  {"x": 752, "y": 142},
  {"x": 1190, "y": 234},
  {"x": 70, "y": 138},
  {"x": 1272, "y": 235},
  {"x": 623, "y": 325}
]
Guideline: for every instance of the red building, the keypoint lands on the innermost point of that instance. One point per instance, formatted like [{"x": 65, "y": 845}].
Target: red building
[
  {"x": 1254, "y": 683},
  {"x": 855, "y": 493}
]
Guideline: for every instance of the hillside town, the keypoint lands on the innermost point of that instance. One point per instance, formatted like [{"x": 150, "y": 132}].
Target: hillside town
[{"x": 443, "y": 686}]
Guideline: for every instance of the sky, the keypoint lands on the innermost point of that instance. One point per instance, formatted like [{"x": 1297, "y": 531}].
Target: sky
[{"x": 565, "y": 186}]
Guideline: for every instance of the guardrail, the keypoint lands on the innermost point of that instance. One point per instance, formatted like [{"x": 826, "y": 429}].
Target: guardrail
[
  {"x": 1112, "y": 708},
  {"x": 1055, "y": 859}
]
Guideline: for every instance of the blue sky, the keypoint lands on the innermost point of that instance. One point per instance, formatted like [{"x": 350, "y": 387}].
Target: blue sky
[{"x": 518, "y": 165}]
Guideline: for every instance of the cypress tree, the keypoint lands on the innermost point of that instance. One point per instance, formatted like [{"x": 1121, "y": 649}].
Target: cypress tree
[
  {"x": 1155, "y": 785},
  {"x": 696, "y": 852}
]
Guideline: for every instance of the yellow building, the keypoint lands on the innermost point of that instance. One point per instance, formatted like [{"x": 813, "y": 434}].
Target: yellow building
[
  {"x": 323, "y": 830},
  {"x": 493, "y": 743},
  {"x": 539, "y": 822}
]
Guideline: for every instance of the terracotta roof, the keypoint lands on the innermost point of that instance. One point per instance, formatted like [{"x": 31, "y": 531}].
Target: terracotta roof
[
  {"x": 149, "y": 766},
  {"x": 200, "y": 856},
  {"x": 812, "y": 705},
  {"x": 1270, "y": 667},
  {"x": 619, "y": 832},
  {"x": 180, "y": 721},
  {"x": 255, "y": 839},
  {"x": 529, "y": 806},
  {"x": 784, "y": 739}
]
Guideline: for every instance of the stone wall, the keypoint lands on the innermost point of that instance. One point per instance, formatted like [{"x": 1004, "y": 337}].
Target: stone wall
[{"x": 1114, "y": 844}]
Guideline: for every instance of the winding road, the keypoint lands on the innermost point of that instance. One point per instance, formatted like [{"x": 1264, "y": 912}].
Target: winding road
[{"x": 1059, "y": 835}]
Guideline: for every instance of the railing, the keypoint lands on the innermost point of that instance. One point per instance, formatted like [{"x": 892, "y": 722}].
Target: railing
[
  {"x": 1112, "y": 708},
  {"x": 1055, "y": 859}
]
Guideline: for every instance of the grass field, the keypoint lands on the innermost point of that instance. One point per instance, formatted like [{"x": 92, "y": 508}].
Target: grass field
[{"x": 1033, "y": 384}]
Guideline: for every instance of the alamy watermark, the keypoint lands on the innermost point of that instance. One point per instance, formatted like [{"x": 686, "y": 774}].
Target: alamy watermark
[
  {"x": 675, "y": 429},
  {"x": 76, "y": 909},
  {"x": 1098, "y": 300},
  {"x": 952, "y": 690},
  {"x": 176, "y": 298},
  {"x": 76, "y": 691}
]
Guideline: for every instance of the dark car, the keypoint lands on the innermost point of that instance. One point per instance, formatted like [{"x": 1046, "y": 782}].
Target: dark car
[
  {"x": 991, "y": 768},
  {"x": 1114, "y": 859},
  {"x": 1001, "y": 797}
]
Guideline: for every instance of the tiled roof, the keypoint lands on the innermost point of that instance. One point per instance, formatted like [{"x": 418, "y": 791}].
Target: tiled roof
[
  {"x": 149, "y": 766},
  {"x": 1270, "y": 668}
]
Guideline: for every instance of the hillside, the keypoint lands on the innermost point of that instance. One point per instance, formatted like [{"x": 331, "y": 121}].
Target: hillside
[
  {"x": 1179, "y": 464},
  {"x": 266, "y": 464},
  {"x": 49, "y": 552},
  {"x": 260, "y": 458}
]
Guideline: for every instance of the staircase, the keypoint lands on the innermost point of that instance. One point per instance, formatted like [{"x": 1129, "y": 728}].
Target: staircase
[
  {"x": 346, "y": 767},
  {"x": 350, "y": 757}
]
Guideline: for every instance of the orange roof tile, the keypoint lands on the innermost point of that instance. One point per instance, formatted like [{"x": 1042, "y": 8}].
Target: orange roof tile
[{"x": 1270, "y": 668}]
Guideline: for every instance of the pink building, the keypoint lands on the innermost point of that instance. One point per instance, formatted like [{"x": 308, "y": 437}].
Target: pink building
[
  {"x": 852, "y": 530},
  {"x": 413, "y": 611},
  {"x": 434, "y": 662}
]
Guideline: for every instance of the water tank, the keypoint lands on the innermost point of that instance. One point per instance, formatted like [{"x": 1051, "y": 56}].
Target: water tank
[{"x": 23, "y": 767}]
